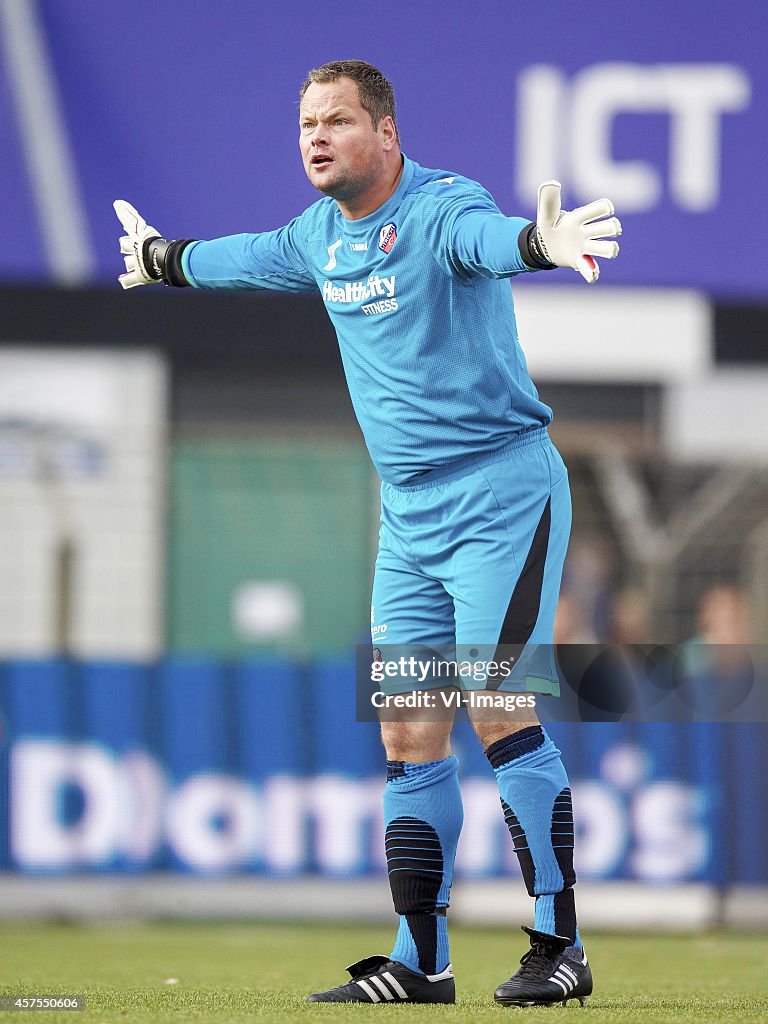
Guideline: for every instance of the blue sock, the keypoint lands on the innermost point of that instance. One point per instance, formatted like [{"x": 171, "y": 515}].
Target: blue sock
[
  {"x": 423, "y": 816},
  {"x": 536, "y": 800}
]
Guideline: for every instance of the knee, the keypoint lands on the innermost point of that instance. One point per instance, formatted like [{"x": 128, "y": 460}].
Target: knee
[
  {"x": 489, "y": 731},
  {"x": 416, "y": 742}
]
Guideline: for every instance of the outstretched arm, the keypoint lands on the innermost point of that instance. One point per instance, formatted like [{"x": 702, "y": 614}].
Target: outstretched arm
[
  {"x": 478, "y": 239},
  {"x": 272, "y": 259}
]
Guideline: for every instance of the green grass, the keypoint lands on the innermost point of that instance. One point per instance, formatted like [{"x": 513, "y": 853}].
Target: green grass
[{"x": 237, "y": 973}]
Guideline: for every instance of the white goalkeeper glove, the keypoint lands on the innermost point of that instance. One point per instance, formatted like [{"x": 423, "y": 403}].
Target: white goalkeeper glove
[
  {"x": 138, "y": 265},
  {"x": 149, "y": 257},
  {"x": 573, "y": 238}
]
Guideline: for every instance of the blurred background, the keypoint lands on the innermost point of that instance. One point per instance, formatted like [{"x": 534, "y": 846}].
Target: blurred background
[{"x": 188, "y": 515}]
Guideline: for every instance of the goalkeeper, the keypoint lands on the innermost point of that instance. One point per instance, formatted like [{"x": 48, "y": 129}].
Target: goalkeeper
[{"x": 412, "y": 265}]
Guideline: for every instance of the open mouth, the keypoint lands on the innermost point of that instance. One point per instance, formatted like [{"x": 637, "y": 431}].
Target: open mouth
[{"x": 320, "y": 160}]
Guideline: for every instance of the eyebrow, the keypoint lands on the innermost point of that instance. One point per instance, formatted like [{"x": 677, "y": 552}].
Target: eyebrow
[{"x": 334, "y": 112}]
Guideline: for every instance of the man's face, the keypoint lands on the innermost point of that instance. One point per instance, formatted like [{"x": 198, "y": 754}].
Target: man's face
[{"x": 343, "y": 154}]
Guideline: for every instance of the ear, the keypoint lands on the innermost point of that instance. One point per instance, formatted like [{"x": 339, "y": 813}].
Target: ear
[{"x": 387, "y": 132}]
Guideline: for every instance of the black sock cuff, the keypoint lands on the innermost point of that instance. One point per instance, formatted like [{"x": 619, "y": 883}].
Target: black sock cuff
[
  {"x": 515, "y": 745},
  {"x": 395, "y": 770}
]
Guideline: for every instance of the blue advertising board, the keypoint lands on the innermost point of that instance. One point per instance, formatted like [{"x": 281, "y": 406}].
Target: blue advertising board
[
  {"x": 188, "y": 109},
  {"x": 214, "y": 768}
]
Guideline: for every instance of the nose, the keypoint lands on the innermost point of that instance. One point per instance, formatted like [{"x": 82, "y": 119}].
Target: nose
[{"x": 320, "y": 135}]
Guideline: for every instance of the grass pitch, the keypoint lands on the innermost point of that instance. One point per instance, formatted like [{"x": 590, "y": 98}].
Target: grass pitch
[{"x": 230, "y": 974}]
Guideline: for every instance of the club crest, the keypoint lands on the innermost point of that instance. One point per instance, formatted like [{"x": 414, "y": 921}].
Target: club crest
[{"x": 387, "y": 237}]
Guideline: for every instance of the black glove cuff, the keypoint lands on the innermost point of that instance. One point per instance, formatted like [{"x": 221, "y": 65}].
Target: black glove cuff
[
  {"x": 162, "y": 260},
  {"x": 153, "y": 256},
  {"x": 531, "y": 250}
]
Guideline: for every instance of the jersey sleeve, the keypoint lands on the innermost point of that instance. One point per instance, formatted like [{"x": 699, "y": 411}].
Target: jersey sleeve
[
  {"x": 470, "y": 236},
  {"x": 272, "y": 259}
]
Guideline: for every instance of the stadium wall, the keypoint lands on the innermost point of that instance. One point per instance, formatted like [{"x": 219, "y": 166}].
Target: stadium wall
[{"x": 214, "y": 771}]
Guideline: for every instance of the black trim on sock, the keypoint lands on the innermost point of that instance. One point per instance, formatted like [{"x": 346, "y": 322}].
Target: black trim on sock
[
  {"x": 565, "y": 914},
  {"x": 515, "y": 745},
  {"x": 415, "y": 866},
  {"x": 395, "y": 770},
  {"x": 423, "y": 928},
  {"x": 562, "y": 833},
  {"x": 520, "y": 840}
]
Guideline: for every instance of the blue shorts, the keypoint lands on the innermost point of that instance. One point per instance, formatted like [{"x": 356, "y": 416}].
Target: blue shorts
[{"x": 471, "y": 557}]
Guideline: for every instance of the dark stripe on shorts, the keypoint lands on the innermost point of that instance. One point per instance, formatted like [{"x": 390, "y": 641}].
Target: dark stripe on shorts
[{"x": 523, "y": 608}]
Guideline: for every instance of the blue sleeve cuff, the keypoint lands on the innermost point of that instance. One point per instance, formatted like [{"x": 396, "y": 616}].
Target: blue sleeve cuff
[{"x": 185, "y": 264}]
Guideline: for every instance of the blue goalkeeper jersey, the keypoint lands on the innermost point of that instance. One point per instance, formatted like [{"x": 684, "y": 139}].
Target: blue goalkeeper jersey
[{"x": 424, "y": 316}]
